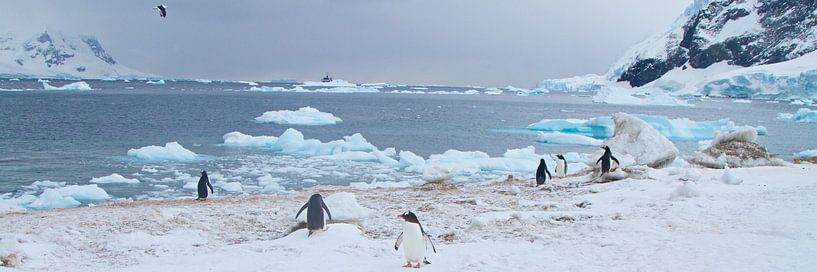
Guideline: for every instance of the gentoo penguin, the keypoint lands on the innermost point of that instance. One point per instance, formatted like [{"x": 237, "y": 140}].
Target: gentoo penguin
[
  {"x": 162, "y": 10},
  {"x": 204, "y": 183},
  {"x": 561, "y": 166},
  {"x": 413, "y": 238},
  {"x": 314, "y": 216},
  {"x": 540, "y": 172},
  {"x": 605, "y": 160}
]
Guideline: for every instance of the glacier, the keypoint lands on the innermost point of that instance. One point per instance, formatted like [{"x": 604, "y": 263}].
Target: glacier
[{"x": 305, "y": 116}]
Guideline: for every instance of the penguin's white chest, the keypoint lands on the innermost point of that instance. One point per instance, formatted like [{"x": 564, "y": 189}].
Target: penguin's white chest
[
  {"x": 560, "y": 168},
  {"x": 413, "y": 242}
]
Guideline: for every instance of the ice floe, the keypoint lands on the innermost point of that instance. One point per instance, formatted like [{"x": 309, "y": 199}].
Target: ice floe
[
  {"x": 113, "y": 178},
  {"x": 803, "y": 115},
  {"x": 306, "y": 116},
  {"x": 678, "y": 128},
  {"x": 157, "y": 82},
  {"x": 172, "y": 151},
  {"x": 76, "y": 86},
  {"x": 566, "y": 138}
]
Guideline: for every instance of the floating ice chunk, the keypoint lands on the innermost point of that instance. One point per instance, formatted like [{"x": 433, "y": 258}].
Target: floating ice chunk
[
  {"x": 729, "y": 178},
  {"x": 267, "y": 89},
  {"x": 76, "y": 86},
  {"x": 236, "y": 138},
  {"x": 344, "y": 207},
  {"x": 624, "y": 96},
  {"x": 16, "y": 204},
  {"x": 436, "y": 174},
  {"x": 84, "y": 193},
  {"x": 803, "y": 115},
  {"x": 170, "y": 152},
  {"x": 47, "y": 183},
  {"x": 270, "y": 183},
  {"x": 493, "y": 91},
  {"x": 292, "y": 142},
  {"x": 306, "y": 116},
  {"x": 230, "y": 186},
  {"x": 565, "y": 138},
  {"x": 742, "y": 101},
  {"x": 333, "y": 83},
  {"x": 635, "y": 137},
  {"x": 812, "y": 153},
  {"x": 158, "y": 82},
  {"x": 584, "y": 83},
  {"x": 113, "y": 178},
  {"x": 679, "y": 128},
  {"x": 205, "y": 81},
  {"x": 52, "y": 199},
  {"x": 410, "y": 162}
]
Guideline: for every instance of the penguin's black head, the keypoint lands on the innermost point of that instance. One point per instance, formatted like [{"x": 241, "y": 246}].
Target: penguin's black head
[
  {"x": 560, "y": 156},
  {"x": 606, "y": 148},
  {"x": 315, "y": 197},
  {"x": 204, "y": 172},
  {"x": 409, "y": 217},
  {"x": 541, "y": 160}
]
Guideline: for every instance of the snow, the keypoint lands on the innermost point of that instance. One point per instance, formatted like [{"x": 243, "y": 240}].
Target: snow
[
  {"x": 803, "y": 115},
  {"x": 306, "y": 116},
  {"x": 172, "y": 151},
  {"x": 729, "y": 178},
  {"x": 566, "y": 138},
  {"x": 638, "y": 139},
  {"x": 344, "y": 207},
  {"x": 624, "y": 96},
  {"x": 602, "y": 127},
  {"x": 76, "y": 86},
  {"x": 113, "y": 178},
  {"x": 573, "y": 226},
  {"x": 811, "y": 153},
  {"x": 788, "y": 80},
  {"x": 157, "y": 82}
]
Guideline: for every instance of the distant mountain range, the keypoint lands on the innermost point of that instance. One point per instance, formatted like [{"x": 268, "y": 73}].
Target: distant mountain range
[{"x": 59, "y": 55}]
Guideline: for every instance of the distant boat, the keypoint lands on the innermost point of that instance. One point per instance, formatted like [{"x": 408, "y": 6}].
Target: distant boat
[{"x": 326, "y": 78}]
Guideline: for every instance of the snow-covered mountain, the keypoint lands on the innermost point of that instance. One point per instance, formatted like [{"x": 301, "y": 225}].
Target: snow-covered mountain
[
  {"x": 735, "y": 32},
  {"x": 54, "y": 54},
  {"x": 762, "y": 49}
]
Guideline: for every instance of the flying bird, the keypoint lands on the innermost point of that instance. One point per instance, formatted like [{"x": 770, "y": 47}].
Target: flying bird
[{"x": 162, "y": 10}]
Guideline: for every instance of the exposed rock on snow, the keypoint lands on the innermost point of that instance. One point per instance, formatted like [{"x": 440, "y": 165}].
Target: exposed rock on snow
[
  {"x": 809, "y": 156},
  {"x": 735, "y": 149},
  {"x": 638, "y": 139}
]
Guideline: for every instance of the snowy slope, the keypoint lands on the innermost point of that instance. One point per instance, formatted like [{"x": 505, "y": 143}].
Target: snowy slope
[{"x": 59, "y": 55}]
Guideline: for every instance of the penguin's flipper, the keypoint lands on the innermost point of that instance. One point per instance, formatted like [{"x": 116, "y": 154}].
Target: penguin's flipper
[
  {"x": 599, "y": 160},
  {"x": 210, "y": 185},
  {"x": 428, "y": 238},
  {"x": 425, "y": 261},
  {"x": 614, "y": 158},
  {"x": 398, "y": 242},
  {"x": 327, "y": 210},
  {"x": 565, "y": 168},
  {"x": 302, "y": 209},
  {"x": 549, "y": 175}
]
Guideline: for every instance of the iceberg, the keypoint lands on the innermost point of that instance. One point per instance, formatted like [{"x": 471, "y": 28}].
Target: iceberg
[
  {"x": 306, "y": 116},
  {"x": 638, "y": 139},
  {"x": 52, "y": 199},
  {"x": 677, "y": 129},
  {"x": 566, "y": 138},
  {"x": 157, "y": 82},
  {"x": 113, "y": 178},
  {"x": 586, "y": 83},
  {"x": 170, "y": 152},
  {"x": 76, "y": 86},
  {"x": 624, "y": 96},
  {"x": 803, "y": 115},
  {"x": 806, "y": 154}
]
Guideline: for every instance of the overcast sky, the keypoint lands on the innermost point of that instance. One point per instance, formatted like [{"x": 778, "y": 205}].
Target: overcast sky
[{"x": 458, "y": 42}]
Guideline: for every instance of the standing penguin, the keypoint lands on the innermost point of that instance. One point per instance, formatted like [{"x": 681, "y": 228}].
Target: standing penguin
[
  {"x": 314, "y": 216},
  {"x": 605, "y": 160},
  {"x": 540, "y": 172},
  {"x": 204, "y": 183},
  {"x": 561, "y": 166},
  {"x": 413, "y": 238},
  {"x": 162, "y": 10}
]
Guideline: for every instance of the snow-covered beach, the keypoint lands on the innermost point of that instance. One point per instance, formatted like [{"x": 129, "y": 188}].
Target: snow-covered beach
[{"x": 665, "y": 220}]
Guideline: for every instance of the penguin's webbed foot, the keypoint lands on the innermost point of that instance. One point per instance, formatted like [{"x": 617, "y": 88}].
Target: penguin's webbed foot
[
  {"x": 408, "y": 264},
  {"x": 418, "y": 265}
]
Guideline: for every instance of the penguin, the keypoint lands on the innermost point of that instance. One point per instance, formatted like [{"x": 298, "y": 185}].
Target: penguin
[
  {"x": 204, "y": 183},
  {"x": 561, "y": 166},
  {"x": 413, "y": 238},
  {"x": 314, "y": 216},
  {"x": 605, "y": 160},
  {"x": 162, "y": 10},
  {"x": 540, "y": 172}
]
